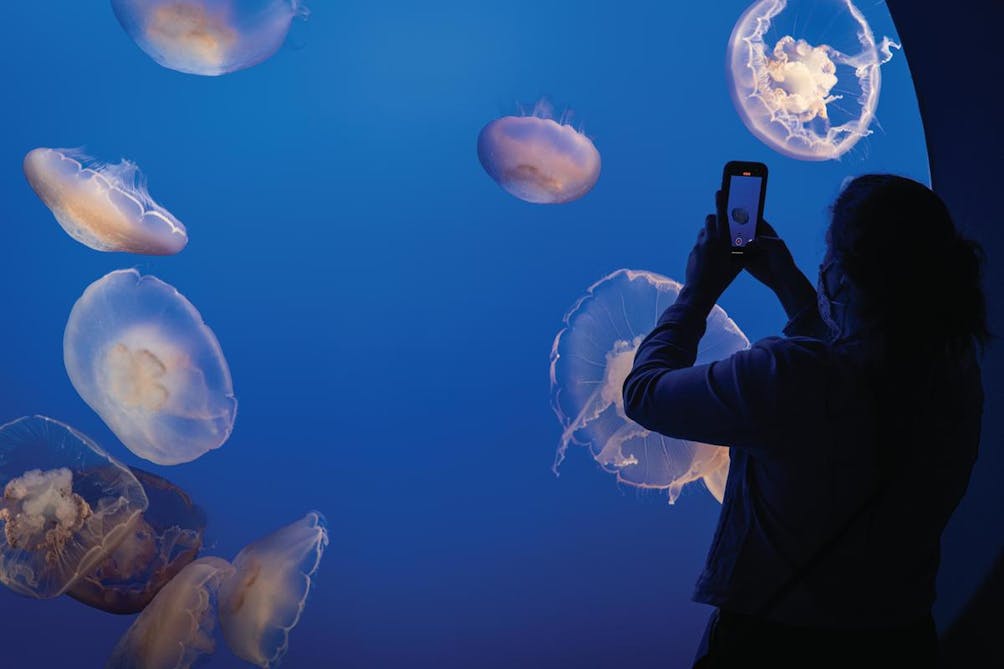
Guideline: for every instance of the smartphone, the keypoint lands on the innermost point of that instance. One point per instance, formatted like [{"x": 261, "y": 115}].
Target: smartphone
[{"x": 745, "y": 186}]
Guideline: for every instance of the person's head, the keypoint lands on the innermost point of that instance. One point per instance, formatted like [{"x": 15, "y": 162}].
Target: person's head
[{"x": 895, "y": 259}]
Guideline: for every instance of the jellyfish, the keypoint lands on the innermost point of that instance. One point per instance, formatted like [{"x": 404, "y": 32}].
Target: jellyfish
[
  {"x": 208, "y": 37},
  {"x": 166, "y": 538},
  {"x": 263, "y": 600},
  {"x": 139, "y": 354},
  {"x": 66, "y": 506},
  {"x": 593, "y": 355},
  {"x": 805, "y": 75},
  {"x": 106, "y": 207},
  {"x": 176, "y": 629},
  {"x": 538, "y": 159}
]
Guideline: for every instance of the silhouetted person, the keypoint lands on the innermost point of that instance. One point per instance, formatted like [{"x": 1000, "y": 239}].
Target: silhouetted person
[{"x": 852, "y": 438}]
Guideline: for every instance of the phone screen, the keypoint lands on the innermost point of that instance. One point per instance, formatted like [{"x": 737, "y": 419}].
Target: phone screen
[{"x": 743, "y": 208}]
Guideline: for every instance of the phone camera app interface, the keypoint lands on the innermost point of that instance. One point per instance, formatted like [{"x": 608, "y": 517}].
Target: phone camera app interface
[{"x": 743, "y": 206}]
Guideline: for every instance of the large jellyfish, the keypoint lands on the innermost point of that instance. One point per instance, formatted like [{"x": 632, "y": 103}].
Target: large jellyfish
[
  {"x": 208, "y": 37},
  {"x": 166, "y": 538},
  {"x": 538, "y": 159},
  {"x": 263, "y": 600},
  {"x": 593, "y": 355},
  {"x": 66, "y": 506},
  {"x": 176, "y": 629},
  {"x": 140, "y": 355},
  {"x": 804, "y": 75},
  {"x": 105, "y": 207}
]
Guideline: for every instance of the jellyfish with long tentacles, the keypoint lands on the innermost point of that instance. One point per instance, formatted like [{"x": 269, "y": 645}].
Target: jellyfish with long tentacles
[
  {"x": 165, "y": 539},
  {"x": 538, "y": 159},
  {"x": 176, "y": 630},
  {"x": 805, "y": 75},
  {"x": 104, "y": 206},
  {"x": 593, "y": 355},
  {"x": 141, "y": 356},
  {"x": 208, "y": 37},
  {"x": 263, "y": 600},
  {"x": 66, "y": 506}
]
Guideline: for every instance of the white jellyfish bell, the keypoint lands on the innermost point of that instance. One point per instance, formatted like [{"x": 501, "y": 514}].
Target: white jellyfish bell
[
  {"x": 805, "y": 75},
  {"x": 141, "y": 356},
  {"x": 208, "y": 37},
  {"x": 538, "y": 159},
  {"x": 104, "y": 206},
  {"x": 590, "y": 359}
]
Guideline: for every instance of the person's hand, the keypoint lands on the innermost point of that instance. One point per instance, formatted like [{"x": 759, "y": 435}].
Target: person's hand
[
  {"x": 768, "y": 258},
  {"x": 711, "y": 266},
  {"x": 771, "y": 263}
]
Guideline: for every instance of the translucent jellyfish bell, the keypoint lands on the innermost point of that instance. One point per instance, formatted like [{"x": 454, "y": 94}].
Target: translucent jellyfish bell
[
  {"x": 176, "y": 629},
  {"x": 165, "y": 539},
  {"x": 208, "y": 37},
  {"x": 538, "y": 159},
  {"x": 105, "y": 207},
  {"x": 593, "y": 355},
  {"x": 66, "y": 506},
  {"x": 804, "y": 75},
  {"x": 263, "y": 600},
  {"x": 140, "y": 355}
]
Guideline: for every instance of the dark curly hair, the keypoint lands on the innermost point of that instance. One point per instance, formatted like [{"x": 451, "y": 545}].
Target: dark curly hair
[{"x": 918, "y": 279}]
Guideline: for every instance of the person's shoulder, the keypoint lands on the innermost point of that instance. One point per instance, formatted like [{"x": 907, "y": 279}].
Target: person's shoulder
[{"x": 799, "y": 364}]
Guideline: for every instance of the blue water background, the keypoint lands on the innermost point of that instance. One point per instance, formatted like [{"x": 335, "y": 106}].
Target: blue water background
[{"x": 387, "y": 310}]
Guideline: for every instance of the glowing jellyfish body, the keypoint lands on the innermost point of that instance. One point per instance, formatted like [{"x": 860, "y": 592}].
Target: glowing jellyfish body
[
  {"x": 263, "y": 600},
  {"x": 176, "y": 629},
  {"x": 66, "y": 506},
  {"x": 805, "y": 75},
  {"x": 140, "y": 355},
  {"x": 208, "y": 37},
  {"x": 538, "y": 159},
  {"x": 105, "y": 207},
  {"x": 593, "y": 355},
  {"x": 165, "y": 539}
]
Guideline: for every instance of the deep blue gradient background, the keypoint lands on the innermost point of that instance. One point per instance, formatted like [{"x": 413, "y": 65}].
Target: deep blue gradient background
[{"x": 387, "y": 311}]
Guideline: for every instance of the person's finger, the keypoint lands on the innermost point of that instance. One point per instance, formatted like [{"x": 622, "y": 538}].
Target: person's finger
[{"x": 710, "y": 226}]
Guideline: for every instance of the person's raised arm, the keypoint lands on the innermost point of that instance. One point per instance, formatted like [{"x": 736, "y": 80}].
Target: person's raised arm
[
  {"x": 730, "y": 402},
  {"x": 652, "y": 388},
  {"x": 771, "y": 263}
]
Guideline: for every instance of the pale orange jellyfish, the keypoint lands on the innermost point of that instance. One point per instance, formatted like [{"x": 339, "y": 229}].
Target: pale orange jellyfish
[
  {"x": 538, "y": 159},
  {"x": 106, "y": 207},
  {"x": 208, "y": 37},
  {"x": 263, "y": 600},
  {"x": 176, "y": 629}
]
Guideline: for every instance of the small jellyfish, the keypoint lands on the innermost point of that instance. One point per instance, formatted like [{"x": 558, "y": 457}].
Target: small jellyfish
[
  {"x": 538, "y": 159},
  {"x": 140, "y": 355},
  {"x": 176, "y": 629},
  {"x": 263, "y": 600},
  {"x": 804, "y": 75},
  {"x": 66, "y": 506},
  {"x": 593, "y": 355},
  {"x": 105, "y": 207},
  {"x": 166, "y": 538},
  {"x": 208, "y": 37}
]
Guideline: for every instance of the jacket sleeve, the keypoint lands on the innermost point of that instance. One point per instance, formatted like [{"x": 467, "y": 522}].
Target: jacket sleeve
[{"x": 732, "y": 402}]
